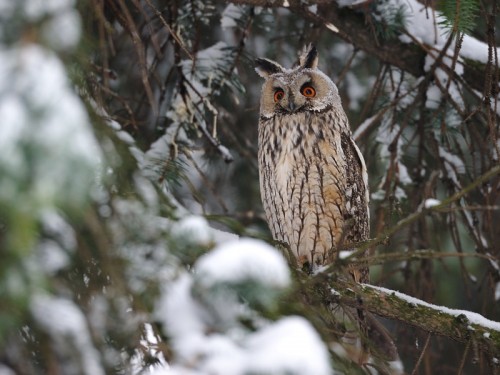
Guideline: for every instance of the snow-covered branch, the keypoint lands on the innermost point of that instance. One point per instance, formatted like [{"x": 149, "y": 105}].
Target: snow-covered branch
[
  {"x": 460, "y": 325},
  {"x": 407, "y": 52}
]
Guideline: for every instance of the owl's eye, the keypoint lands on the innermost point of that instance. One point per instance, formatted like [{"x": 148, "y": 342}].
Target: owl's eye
[
  {"x": 308, "y": 91},
  {"x": 278, "y": 95}
]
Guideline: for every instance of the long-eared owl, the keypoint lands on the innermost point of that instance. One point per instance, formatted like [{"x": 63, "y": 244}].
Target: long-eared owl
[{"x": 313, "y": 179}]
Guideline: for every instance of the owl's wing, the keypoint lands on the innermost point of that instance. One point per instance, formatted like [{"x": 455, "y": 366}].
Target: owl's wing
[
  {"x": 357, "y": 196},
  {"x": 357, "y": 193},
  {"x": 364, "y": 171}
]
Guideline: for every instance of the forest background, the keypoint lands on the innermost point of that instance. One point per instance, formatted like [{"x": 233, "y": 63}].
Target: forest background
[{"x": 128, "y": 169}]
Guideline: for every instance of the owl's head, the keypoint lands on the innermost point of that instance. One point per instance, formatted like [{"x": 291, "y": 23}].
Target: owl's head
[{"x": 303, "y": 88}]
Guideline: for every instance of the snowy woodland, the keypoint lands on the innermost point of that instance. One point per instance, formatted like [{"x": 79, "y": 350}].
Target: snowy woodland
[{"x": 132, "y": 235}]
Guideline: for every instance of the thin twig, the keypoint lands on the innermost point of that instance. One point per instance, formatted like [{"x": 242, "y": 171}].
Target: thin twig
[
  {"x": 421, "y": 356},
  {"x": 174, "y": 35},
  {"x": 385, "y": 235}
]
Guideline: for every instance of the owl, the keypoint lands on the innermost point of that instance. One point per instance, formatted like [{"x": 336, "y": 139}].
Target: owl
[{"x": 313, "y": 178}]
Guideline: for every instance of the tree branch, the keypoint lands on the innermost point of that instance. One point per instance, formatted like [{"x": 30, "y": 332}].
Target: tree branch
[
  {"x": 460, "y": 325},
  {"x": 351, "y": 26}
]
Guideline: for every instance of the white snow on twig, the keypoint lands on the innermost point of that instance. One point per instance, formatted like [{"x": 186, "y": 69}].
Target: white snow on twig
[
  {"x": 42, "y": 114},
  {"x": 431, "y": 202},
  {"x": 65, "y": 323},
  {"x": 472, "y": 317},
  {"x": 422, "y": 23},
  {"x": 231, "y": 15},
  {"x": 289, "y": 346}
]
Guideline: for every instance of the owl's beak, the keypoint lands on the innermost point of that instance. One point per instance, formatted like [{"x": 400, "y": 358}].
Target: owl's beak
[{"x": 292, "y": 106}]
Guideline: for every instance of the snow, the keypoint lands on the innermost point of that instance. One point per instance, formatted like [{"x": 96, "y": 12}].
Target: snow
[
  {"x": 220, "y": 236},
  {"x": 37, "y": 9},
  {"x": 434, "y": 92},
  {"x": 7, "y": 7},
  {"x": 244, "y": 260},
  {"x": 453, "y": 160},
  {"x": 344, "y": 254},
  {"x": 186, "y": 321},
  {"x": 58, "y": 22},
  {"x": 226, "y": 154},
  {"x": 231, "y": 15},
  {"x": 431, "y": 202},
  {"x": 356, "y": 90},
  {"x": 50, "y": 257},
  {"x": 181, "y": 315},
  {"x": 207, "y": 62},
  {"x": 433, "y": 97},
  {"x": 474, "y": 49},
  {"x": 345, "y": 3},
  {"x": 453, "y": 165},
  {"x": 363, "y": 126},
  {"x": 386, "y": 135},
  {"x": 65, "y": 323},
  {"x": 423, "y": 24},
  {"x": 497, "y": 291},
  {"x": 56, "y": 227},
  {"x": 41, "y": 114},
  {"x": 330, "y": 26},
  {"x": 4, "y": 370},
  {"x": 125, "y": 137},
  {"x": 63, "y": 30},
  {"x": 289, "y": 346},
  {"x": 147, "y": 192},
  {"x": 194, "y": 229},
  {"x": 149, "y": 343},
  {"x": 202, "y": 314},
  {"x": 472, "y": 317}
]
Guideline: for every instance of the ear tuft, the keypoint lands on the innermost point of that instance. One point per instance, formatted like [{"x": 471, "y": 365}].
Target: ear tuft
[
  {"x": 309, "y": 57},
  {"x": 265, "y": 67}
]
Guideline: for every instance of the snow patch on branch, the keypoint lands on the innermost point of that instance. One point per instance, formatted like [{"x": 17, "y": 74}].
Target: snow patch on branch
[
  {"x": 389, "y": 136},
  {"x": 289, "y": 346},
  {"x": 231, "y": 15},
  {"x": 43, "y": 116},
  {"x": 453, "y": 165},
  {"x": 63, "y": 321},
  {"x": 431, "y": 202},
  {"x": 203, "y": 312},
  {"x": 244, "y": 260},
  {"x": 423, "y": 24},
  {"x": 472, "y": 317}
]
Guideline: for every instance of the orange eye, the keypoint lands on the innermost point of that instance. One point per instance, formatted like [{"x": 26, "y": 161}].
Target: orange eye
[
  {"x": 308, "y": 91},
  {"x": 278, "y": 95}
]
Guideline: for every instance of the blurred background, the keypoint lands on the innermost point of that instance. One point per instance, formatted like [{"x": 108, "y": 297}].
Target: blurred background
[{"x": 120, "y": 119}]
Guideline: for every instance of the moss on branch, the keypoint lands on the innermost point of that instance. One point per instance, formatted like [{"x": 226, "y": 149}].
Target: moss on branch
[{"x": 459, "y": 325}]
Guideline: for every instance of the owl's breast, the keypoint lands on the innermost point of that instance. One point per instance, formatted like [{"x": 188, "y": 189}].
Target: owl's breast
[{"x": 302, "y": 169}]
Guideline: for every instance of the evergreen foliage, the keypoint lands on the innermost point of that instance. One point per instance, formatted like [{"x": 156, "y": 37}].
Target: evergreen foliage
[
  {"x": 128, "y": 135},
  {"x": 459, "y": 15}
]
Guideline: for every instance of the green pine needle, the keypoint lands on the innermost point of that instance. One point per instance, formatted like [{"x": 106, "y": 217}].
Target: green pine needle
[{"x": 459, "y": 15}]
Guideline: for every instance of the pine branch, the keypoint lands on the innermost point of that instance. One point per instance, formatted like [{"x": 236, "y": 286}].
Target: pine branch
[
  {"x": 459, "y": 325},
  {"x": 350, "y": 25},
  {"x": 384, "y": 237}
]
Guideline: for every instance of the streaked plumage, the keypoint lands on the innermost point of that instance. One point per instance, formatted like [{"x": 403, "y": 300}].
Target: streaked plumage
[
  {"x": 313, "y": 181},
  {"x": 312, "y": 175}
]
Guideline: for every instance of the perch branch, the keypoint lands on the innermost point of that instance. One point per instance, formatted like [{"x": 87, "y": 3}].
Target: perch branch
[{"x": 459, "y": 325}]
